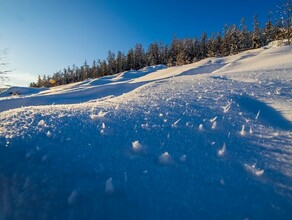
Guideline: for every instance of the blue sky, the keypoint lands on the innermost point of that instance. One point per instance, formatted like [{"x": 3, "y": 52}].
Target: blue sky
[{"x": 44, "y": 36}]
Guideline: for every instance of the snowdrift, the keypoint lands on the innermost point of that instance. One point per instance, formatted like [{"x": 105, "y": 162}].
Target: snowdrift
[{"x": 201, "y": 141}]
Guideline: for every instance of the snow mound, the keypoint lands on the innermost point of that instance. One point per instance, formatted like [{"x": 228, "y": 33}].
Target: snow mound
[
  {"x": 153, "y": 68},
  {"x": 21, "y": 91}
]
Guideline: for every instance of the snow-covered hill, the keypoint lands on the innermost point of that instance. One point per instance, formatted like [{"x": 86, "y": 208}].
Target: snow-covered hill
[{"x": 207, "y": 140}]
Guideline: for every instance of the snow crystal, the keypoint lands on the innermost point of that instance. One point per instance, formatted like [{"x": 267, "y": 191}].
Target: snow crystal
[
  {"x": 227, "y": 107},
  {"x": 165, "y": 158},
  {"x": 242, "y": 132},
  {"x": 42, "y": 123},
  {"x": 136, "y": 146},
  {"x": 93, "y": 116},
  {"x": 258, "y": 114},
  {"x": 201, "y": 127},
  {"x": 222, "y": 151},
  {"x": 213, "y": 119},
  {"x": 214, "y": 125},
  {"x": 100, "y": 114},
  {"x": 49, "y": 134},
  {"x": 176, "y": 122},
  {"x": 253, "y": 170},
  {"x": 145, "y": 126}
]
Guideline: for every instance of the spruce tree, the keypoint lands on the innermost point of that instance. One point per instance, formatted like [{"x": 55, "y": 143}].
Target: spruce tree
[
  {"x": 153, "y": 54},
  {"x": 269, "y": 30},
  {"x": 257, "y": 34},
  {"x": 111, "y": 63}
]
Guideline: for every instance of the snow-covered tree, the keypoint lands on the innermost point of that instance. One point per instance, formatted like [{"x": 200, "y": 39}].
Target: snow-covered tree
[
  {"x": 286, "y": 18},
  {"x": 203, "y": 50},
  {"x": 233, "y": 39},
  {"x": 3, "y": 64},
  {"x": 139, "y": 57},
  {"x": 257, "y": 40},
  {"x": 111, "y": 63},
  {"x": 153, "y": 54},
  {"x": 181, "y": 51},
  {"x": 269, "y": 30},
  {"x": 164, "y": 53},
  {"x": 173, "y": 52},
  {"x": 121, "y": 62},
  {"x": 225, "y": 50},
  {"x": 245, "y": 41}
]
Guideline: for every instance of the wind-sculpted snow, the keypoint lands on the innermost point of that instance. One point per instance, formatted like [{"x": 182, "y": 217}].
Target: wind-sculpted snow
[{"x": 205, "y": 145}]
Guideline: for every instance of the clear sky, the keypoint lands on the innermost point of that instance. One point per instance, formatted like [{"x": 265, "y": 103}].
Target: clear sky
[{"x": 44, "y": 36}]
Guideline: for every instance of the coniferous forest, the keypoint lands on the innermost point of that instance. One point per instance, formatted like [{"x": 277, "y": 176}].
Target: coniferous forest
[{"x": 232, "y": 40}]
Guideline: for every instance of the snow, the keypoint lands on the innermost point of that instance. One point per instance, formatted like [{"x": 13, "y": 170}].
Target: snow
[
  {"x": 165, "y": 158},
  {"x": 206, "y": 140},
  {"x": 136, "y": 146}
]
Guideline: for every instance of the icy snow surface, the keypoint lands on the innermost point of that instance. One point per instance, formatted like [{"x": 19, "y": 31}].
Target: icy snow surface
[{"x": 207, "y": 140}]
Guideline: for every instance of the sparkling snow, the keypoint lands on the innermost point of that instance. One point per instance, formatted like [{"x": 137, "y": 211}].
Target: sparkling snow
[{"x": 206, "y": 140}]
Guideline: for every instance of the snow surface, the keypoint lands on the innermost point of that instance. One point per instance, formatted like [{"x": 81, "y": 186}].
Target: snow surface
[{"x": 207, "y": 140}]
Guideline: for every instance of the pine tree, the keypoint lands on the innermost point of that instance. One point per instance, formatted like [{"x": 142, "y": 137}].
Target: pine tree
[
  {"x": 234, "y": 39},
  {"x": 39, "y": 81},
  {"x": 245, "y": 41},
  {"x": 164, "y": 53},
  {"x": 111, "y": 63},
  {"x": 203, "y": 46},
  {"x": 286, "y": 17},
  {"x": 153, "y": 54},
  {"x": 196, "y": 46},
  {"x": 289, "y": 20},
  {"x": 211, "y": 46},
  {"x": 103, "y": 68},
  {"x": 269, "y": 30},
  {"x": 217, "y": 47},
  {"x": 225, "y": 41},
  {"x": 257, "y": 40},
  {"x": 130, "y": 60},
  {"x": 121, "y": 62},
  {"x": 84, "y": 71},
  {"x": 279, "y": 31},
  {"x": 93, "y": 71},
  {"x": 189, "y": 50},
  {"x": 173, "y": 52}
]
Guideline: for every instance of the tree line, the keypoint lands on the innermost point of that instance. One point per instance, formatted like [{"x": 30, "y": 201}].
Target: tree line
[{"x": 232, "y": 40}]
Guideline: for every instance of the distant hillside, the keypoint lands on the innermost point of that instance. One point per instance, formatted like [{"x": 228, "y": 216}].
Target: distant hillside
[{"x": 232, "y": 40}]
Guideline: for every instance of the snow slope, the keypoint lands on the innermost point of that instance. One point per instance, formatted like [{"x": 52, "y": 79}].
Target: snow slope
[{"x": 207, "y": 140}]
